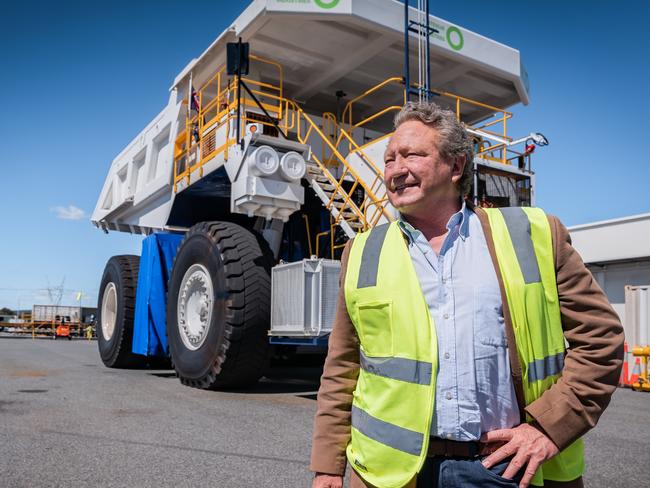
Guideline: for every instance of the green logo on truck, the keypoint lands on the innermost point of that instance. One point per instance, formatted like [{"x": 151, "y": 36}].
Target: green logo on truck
[
  {"x": 325, "y": 4},
  {"x": 456, "y": 42}
]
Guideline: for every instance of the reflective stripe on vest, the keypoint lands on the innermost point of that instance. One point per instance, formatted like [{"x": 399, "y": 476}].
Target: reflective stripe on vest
[
  {"x": 540, "y": 369},
  {"x": 404, "y": 440},
  {"x": 370, "y": 257},
  {"x": 519, "y": 229},
  {"x": 409, "y": 370}
]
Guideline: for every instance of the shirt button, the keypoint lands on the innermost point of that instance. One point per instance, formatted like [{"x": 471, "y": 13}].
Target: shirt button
[
  {"x": 450, "y": 436},
  {"x": 444, "y": 280},
  {"x": 448, "y": 396},
  {"x": 446, "y": 355},
  {"x": 445, "y": 316}
]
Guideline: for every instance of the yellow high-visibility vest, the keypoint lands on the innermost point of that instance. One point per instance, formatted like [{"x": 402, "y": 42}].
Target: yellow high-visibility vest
[{"x": 394, "y": 396}]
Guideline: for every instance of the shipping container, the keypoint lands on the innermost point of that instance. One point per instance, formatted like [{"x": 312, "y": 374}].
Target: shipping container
[
  {"x": 49, "y": 313},
  {"x": 637, "y": 315}
]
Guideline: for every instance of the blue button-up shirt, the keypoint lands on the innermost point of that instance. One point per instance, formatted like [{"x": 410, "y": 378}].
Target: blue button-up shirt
[{"x": 474, "y": 389}]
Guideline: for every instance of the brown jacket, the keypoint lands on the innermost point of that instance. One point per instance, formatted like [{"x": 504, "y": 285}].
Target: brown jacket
[{"x": 565, "y": 412}]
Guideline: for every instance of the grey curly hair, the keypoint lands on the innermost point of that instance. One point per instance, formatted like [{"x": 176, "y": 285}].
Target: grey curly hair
[{"x": 454, "y": 142}]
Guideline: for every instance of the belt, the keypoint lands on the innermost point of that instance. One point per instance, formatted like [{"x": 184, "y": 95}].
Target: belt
[{"x": 447, "y": 448}]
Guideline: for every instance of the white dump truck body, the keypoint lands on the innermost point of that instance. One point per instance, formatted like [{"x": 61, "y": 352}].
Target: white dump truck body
[{"x": 321, "y": 49}]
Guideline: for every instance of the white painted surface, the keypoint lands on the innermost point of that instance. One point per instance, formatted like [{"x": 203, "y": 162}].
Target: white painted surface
[
  {"x": 613, "y": 240},
  {"x": 637, "y": 313},
  {"x": 140, "y": 175}
]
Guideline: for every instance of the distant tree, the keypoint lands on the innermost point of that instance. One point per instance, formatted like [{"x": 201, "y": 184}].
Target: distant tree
[{"x": 6, "y": 311}]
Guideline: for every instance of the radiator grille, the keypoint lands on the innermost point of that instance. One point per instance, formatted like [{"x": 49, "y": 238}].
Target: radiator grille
[
  {"x": 303, "y": 297},
  {"x": 208, "y": 144}
]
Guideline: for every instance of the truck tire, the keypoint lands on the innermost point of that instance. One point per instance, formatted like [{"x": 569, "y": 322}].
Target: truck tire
[
  {"x": 115, "y": 312},
  {"x": 218, "y": 306}
]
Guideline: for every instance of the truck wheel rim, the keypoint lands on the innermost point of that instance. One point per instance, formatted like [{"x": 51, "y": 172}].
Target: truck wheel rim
[
  {"x": 109, "y": 311},
  {"x": 195, "y": 301}
]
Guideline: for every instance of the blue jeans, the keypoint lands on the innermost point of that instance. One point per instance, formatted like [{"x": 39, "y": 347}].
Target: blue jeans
[{"x": 443, "y": 472}]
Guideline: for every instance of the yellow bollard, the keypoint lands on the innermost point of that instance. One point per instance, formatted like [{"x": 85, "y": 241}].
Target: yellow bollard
[{"x": 643, "y": 383}]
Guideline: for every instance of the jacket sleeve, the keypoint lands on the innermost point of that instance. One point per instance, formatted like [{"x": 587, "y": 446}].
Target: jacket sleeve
[
  {"x": 592, "y": 365},
  {"x": 332, "y": 423}
]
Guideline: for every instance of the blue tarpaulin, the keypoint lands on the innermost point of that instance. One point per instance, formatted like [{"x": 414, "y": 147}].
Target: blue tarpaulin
[{"x": 149, "y": 329}]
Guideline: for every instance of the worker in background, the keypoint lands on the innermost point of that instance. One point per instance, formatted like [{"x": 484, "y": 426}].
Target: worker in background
[
  {"x": 447, "y": 364},
  {"x": 89, "y": 328}
]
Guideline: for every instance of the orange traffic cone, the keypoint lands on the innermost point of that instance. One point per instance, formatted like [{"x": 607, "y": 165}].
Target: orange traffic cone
[
  {"x": 625, "y": 374},
  {"x": 634, "y": 378}
]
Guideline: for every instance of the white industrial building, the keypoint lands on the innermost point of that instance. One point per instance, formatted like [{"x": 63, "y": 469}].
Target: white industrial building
[{"x": 617, "y": 252}]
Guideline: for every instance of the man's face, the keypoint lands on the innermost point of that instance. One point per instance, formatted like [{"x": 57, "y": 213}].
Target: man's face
[{"x": 416, "y": 175}]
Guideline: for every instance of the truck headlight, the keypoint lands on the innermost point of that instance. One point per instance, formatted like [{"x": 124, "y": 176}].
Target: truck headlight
[
  {"x": 263, "y": 161},
  {"x": 292, "y": 166}
]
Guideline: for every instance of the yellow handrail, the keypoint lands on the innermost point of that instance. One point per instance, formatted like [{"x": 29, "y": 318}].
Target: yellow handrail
[
  {"x": 338, "y": 188},
  {"x": 329, "y": 128},
  {"x": 375, "y": 115},
  {"x": 224, "y": 105},
  {"x": 501, "y": 114},
  {"x": 318, "y": 236},
  {"x": 192, "y": 152},
  {"x": 306, "y": 219},
  {"x": 291, "y": 116},
  {"x": 348, "y": 107}
]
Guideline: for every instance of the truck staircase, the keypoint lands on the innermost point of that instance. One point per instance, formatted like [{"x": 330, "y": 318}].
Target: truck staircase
[
  {"x": 340, "y": 202},
  {"x": 347, "y": 218}
]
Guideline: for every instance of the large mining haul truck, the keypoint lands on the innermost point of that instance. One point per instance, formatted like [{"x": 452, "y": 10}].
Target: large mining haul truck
[{"x": 266, "y": 159}]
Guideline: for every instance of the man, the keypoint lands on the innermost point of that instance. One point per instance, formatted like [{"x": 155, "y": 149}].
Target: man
[{"x": 447, "y": 364}]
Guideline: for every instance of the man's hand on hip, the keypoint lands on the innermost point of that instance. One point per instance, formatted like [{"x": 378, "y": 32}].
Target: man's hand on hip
[
  {"x": 529, "y": 446},
  {"x": 322, "y": 480}
]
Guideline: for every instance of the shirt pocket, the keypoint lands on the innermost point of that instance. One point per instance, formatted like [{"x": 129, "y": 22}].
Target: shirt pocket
[
  {"x": 489, "y": 323},
  {"x": 376, "y": 328}
]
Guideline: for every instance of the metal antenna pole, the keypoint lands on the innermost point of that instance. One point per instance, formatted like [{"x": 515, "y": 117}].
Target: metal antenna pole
[
  {"x": 188, "y": 122},
  {"x": 428, "y": 56},
  {"x": 189, "y": 102},
  {"x": 239, "y": 54},
  {"x": 407, "y": 79}
]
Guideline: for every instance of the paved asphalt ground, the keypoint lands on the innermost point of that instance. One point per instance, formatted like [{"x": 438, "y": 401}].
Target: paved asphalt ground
[{"x": 67, "y": 421}]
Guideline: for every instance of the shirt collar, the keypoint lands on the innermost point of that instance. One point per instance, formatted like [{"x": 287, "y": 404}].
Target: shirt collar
[{"x": 458, "y": 220}]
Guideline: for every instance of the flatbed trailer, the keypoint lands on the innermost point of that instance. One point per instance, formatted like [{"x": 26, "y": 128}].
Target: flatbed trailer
[{"x": 47, "y": 328}]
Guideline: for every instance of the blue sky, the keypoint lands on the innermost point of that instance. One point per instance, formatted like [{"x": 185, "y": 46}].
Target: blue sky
[{"x": 80, "y": 79}]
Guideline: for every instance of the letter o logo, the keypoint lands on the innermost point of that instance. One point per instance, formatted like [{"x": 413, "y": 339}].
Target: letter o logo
[
  {"x": 456, "y": 42},
  {"x": 325, "y": 4}
]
